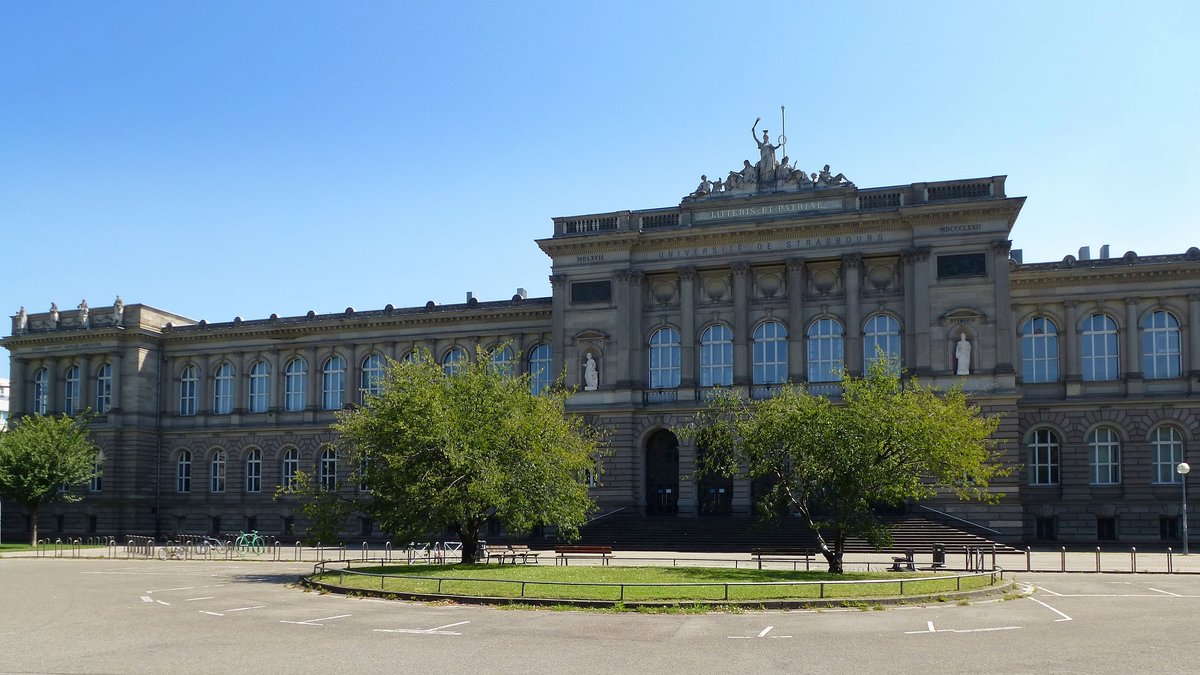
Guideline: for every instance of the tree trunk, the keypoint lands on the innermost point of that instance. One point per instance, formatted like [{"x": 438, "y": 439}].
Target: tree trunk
[
  {"x": 33, "y": 509},
  {"x": 469, "y": 536}
]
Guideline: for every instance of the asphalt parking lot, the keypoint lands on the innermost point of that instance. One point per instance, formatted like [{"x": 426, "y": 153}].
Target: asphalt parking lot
[{"x": 128, "y": 616}]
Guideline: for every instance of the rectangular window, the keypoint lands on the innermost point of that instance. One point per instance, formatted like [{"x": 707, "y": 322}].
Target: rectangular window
[
  {"x": 1106, "y": 528},
  {"x": 591, "y": 292},
  {"x": 961, "y": 265},
  {"x": 1044, "y": 529},
  {"x": 1168, "y": 528}
]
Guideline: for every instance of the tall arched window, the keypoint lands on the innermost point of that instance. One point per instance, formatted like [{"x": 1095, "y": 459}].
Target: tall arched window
[
  {"x": 327, "y": 469},
  {"x": 716, "y": 356},
  {"x": 333, "y": 383},
  {"x": 189, "y": 386},
  {"x": 1105, "y": 448},
  {"x": 289, "y": 467},
  {"x": 183, "y": 472},
  {"x": 664, "y": 359},
  {"x": 260, "y": 387},
  {"x": 501, "y": 360},
  {"x": 295, "y": 385},
  {"x": 1098, "y": 348},
  {"x": 826, "y": 353},
  {"x": 104, "y": 388},
  {"x": 1167, "y": 449},
  {"x": 41, "y": 391},
  {"x": 1039, "y": 350},
  {"x": 454, "y": 360},
  {"x": 540, "y": 367},
  {"x": 223, "y": 390},
  {"x": 770, "y": 353},
  {"x": 371, "y": 377},
  {"x": 254, "y": 470},
  {"x": 1160, "y": 345},
  {"x": 1043, "y": 457},
  {"x": 881, "y": 333},
  {"x": 96, "y": 483},
  {"x": 217, "y": 471},
  {"x": 71, "y": 391}
]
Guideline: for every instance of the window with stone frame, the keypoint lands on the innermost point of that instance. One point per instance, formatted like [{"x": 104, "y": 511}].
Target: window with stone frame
[
  {"x": 217, "y": 472},
  {"x": 254, "y": 470},
  {"x": 96, "y": 482},
  {"x": 1104, "y": 447},
  {"x": 1043, "y": 447},
  {"x": 71, "y": 391},
  {"x": 333, "y": 383},
  {"x": 288, "y": 468},
  {"x": 189, "y": 387},
  {"x": 259, "y": 391},
  {"x": 826, "y": 351},
  {"x": 1160, "y": 346},
  {"x": 183, "y": 472},
  {"x": 540, "y": 368},
  {"x": 770, "y": 353},
  {"x": 1166, "y": 447},
  {"x": 1098, "y": 350},
  {"x": 327, "y": 469},
  {"x": 41, "y": 391},
  {"x": 716, "y": 356},
  {"x": 454, "y": 360},
  {"x": 881, "y": 333},
  {"x": 1039, "y": 350},
  {"x": 223, "y": 390},
  {"x": 501, "y": 360},
  {"x": 664, "y": 357},
  {"x": 371, "y": 377},
  {"x": 295, "y": 385},
  {"x": 104, "y": 389}
]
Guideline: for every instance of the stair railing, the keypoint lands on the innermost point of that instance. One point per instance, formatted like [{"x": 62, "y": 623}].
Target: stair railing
[{"x": 961, "y": 520}]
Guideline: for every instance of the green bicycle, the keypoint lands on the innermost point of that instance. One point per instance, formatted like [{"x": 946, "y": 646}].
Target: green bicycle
[{"x": 250, "y": 542}]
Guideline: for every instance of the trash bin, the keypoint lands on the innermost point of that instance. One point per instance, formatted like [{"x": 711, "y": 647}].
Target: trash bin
[{"x": 939, "y": 555}]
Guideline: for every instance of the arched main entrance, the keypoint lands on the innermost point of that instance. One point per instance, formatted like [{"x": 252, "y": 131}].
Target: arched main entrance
[{"x": 662, "y": 473}]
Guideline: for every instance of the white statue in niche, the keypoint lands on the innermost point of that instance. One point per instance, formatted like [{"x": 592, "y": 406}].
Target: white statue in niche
[
  {"x": 591, "y": 374},
  {"x": 962, "y": 354}
]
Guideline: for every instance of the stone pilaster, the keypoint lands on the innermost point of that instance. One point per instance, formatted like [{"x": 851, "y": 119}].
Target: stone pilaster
[
  {"x": 687, "y": 327},
  {"x": 741, "y": 357},
  {"x": 852, "y": 278},
  {"x": 558, "y": 286},
  {"x": 916, "y": 292},
  {"x": 795, "y": 291},
  {"x": 1005, "y": 334},
  {"x": 1193, "y": 341}
]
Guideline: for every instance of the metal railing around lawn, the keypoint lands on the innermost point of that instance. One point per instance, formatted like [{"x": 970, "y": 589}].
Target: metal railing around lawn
[{"x": 323, "y": 568}]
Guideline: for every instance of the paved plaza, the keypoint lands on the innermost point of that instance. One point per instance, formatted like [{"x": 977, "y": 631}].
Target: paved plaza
[{"x": 135, "y": 616}]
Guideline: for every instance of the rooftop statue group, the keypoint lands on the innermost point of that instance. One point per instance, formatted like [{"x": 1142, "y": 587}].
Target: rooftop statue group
[
  {"x": 767, "y": 173},
  {"x": 83, "y": 320}
]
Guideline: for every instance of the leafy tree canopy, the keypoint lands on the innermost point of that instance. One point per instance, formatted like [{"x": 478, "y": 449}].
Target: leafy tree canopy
[
  {"x": 40, "y": 456},
  {"x": 887, "y": 442},
  {"x": 446, "y": 451}
]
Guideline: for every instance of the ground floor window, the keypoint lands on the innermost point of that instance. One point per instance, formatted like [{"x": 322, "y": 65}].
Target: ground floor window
[{"x": 1106, "y": 528}]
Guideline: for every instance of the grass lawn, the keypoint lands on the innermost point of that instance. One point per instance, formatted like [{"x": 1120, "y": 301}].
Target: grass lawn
[{"x": 583, "y": 583}]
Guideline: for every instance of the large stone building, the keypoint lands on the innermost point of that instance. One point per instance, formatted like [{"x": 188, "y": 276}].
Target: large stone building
[{"x": 766, "y": 277}]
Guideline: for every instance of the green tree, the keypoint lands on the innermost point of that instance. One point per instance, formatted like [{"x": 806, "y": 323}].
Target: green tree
[
  {"x": 448, "y": 451},
  {"x": 325, "y": 510},
  {"x": 887, "y": 442},
  {"x": 40, "y": 456}
]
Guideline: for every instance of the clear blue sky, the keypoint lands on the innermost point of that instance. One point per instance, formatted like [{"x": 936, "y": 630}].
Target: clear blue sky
[{"x": 217, "y": 159}]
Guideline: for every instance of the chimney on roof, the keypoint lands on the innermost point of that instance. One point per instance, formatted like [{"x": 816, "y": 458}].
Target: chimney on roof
[
  {"x": 1017, "y": 255},
  {"x": 1085, "y": 252},
  {"x": 523, "y": 293},
  {"x": 1104, "y": 252},
  {"x": 470, "y": 295}
]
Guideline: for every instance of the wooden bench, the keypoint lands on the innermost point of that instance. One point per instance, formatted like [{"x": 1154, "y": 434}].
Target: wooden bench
[
  {"x": 565, "y": 552},
  {"x": 904, "y": 563},
  {"x": 792, "y": 555},
  {"x": 511, "y": 553}
]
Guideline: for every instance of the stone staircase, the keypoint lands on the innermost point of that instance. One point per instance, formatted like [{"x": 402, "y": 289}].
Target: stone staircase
[{"x": 728, "y": 534}]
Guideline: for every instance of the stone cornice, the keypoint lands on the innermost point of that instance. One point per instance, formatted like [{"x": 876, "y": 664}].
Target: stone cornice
[{"x": 1038, "y": 278}]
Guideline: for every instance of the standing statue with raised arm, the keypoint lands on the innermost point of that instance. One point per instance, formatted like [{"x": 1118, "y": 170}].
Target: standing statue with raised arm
[
  {"x": 766, "y": 152},
  {"x": 22, "y": 321}
]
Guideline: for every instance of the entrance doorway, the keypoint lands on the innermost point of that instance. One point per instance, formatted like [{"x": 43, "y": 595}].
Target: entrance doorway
[
  {"x": 715, "y": 491},
  {"x": 662, "y": 473}
]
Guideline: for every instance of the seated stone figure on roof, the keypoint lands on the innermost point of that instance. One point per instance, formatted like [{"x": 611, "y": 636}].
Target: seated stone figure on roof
[{"x": 826, "y": 179}]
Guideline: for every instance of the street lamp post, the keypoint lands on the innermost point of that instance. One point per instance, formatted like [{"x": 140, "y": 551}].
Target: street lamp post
[{"x": 1183, "y": 468}]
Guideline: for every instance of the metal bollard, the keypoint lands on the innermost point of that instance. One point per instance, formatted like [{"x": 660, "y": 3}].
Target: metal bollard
[
  {"x": 1063, "y": 564},
  {"x": 1097, "y": 558},
  {"x": 1028, "y": 556},
  {"x": 1170, "y": 569},
  {"x": 1133, "y": 559}
]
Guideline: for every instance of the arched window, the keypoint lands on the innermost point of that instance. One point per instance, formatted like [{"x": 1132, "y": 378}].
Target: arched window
[
  {"x": 501, "y": 361},
  {"x": 260, "y": 387},
  {"x": 217, "y": 471},
  {"x": 104, "y": 388},
  {"x": 1043, "y": 457},
  {"x": 540, "y": 367},
  {"x": 664, "y": 359},
  {"x": 1160, "y": 345},
  {"x": 1167, "y": 449},
  {"x": 287, "y": 470},
  {"x": 1098, "y": 348},
  {"x": 41, "y": 391},
  {"x": 223, "y": 390},
  {"x": 1039, "y": 350},
  {"x": 96, "y": 483},
  {"x": 770, "y": 353},
  {"x": 295, "y": 385},
  {"x": 826, "y": 354},
  {"x": 254, "y": 470},
  {"x": 1105, "y": 448},
  {"x": 371, "y": 377},
  {"x": 183, "y": 472},
  {"x": 71, "y": 391},
  {"x": 327, "y": 469},
  {"x": 189, "y": 386},
  {"x": 333, "y": 383},
  {"x": 454, "y": 360},
  {"x": 716, "y": 356},
  {"x": 881, "y": 333}
]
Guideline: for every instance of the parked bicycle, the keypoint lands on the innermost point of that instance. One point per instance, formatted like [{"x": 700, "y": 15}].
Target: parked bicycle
[
  {"x": 171, "y": 551},
  {"x": 250, "y": 542},
  {"x": 217, "y": 546}
]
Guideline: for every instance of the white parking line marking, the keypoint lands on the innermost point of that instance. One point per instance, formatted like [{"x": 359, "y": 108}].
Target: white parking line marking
[
  {"x": 146, "y": 598},
  {"x": 242, "y": 609},
  {"x": 1064, "y": 616},
  {"x": 931, "y": 629},
  {"x": 765, "y": 631},
  {"x": 763, "y": 634},
  {"x": 183, "y": 588},
  {"x": 211, "y": 613},
  {"x": 1043, "y": 588},
  {"x": 163, "y": 603},
  {"x": 440, "y": 630},
  {"x": 1165, "y": 592},
  {"x": 207, "y": 597},
  {"x": 313, "y": 622}
]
